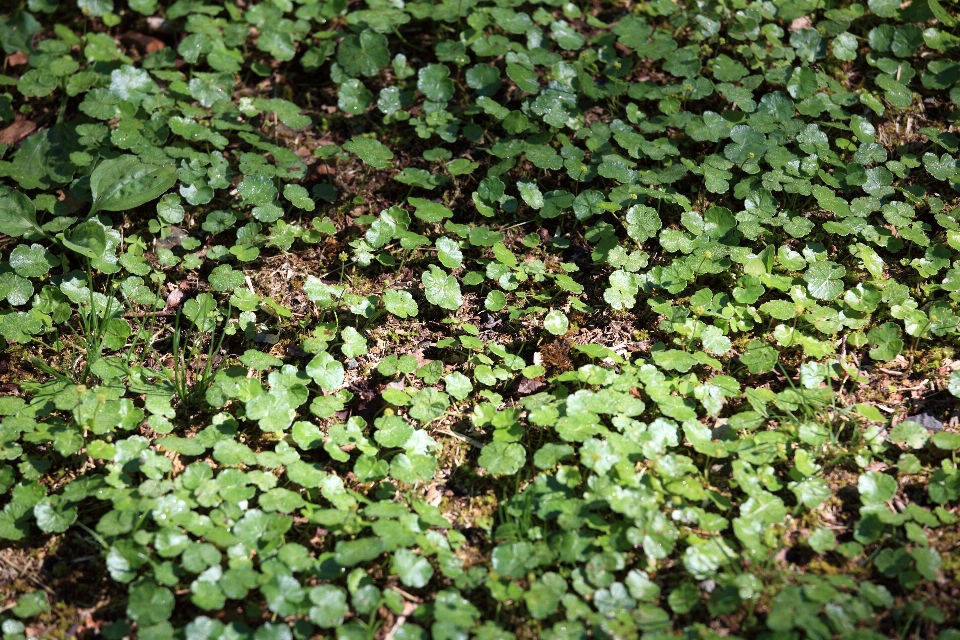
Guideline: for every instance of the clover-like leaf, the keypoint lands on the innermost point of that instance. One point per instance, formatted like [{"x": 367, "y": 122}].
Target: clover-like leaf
[
  {"x": 392, "y": 431},
  {"x": 705, "y": 558},
  {"x": 544, "y": 595},
  {"x": 531, "y": 194},
  {"x": 822, "y": 540},
  {"x": 512, "y": 559},
  {"x": 352, "y": 552},
  {"x": 202, "y": 311},
  {"x": 230, "y": 452},
  {"x": 258, "y": 190},
  {"x": 674, "y": 359},
  {"x": 714, "y": 341},
  {"x": 953, "y": 384},
  {"x": 280, "y": 499},
  {"x": 884, "y": 8},
  {"x": 458, "y": 385}
]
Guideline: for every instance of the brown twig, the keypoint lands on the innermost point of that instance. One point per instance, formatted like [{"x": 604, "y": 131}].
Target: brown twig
[
  {"x": 408, "y": 608},
  {"x": 30, "y": 577}
]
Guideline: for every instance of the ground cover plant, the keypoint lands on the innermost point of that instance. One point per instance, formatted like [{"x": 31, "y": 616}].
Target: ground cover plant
[{"x": 479, "y": 318}]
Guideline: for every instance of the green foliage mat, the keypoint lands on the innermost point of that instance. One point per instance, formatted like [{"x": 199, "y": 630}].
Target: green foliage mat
[{"x": 478, "y": 318}]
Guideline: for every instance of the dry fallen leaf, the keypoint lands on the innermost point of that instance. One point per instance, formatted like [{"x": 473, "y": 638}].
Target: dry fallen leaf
[
  {"x": 17, "y": 59},
  {"x": 143, "y": 43},
  {"x": 529, "y": 386},
  {"x": 174, "y": 298},
  {"x": 20, "y": 129}
]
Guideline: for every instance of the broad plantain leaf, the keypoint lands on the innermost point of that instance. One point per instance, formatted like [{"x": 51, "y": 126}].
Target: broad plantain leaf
[{"x": 126, "y": 182}]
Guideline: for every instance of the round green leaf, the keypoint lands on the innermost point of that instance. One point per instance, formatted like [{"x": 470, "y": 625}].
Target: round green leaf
[
  {"x": 413, "y": 570},
  {"x": 511, "y": 560},
  {"x": 364, "y": 54},
  {"x": 372, "y": 152},
  {"x": 280, "y": 499},
  {"x": 206, "y": 593},
  {"x": 458, "y": 385},
  {"x": 887, "y": 338},
  {"x": 448, "y": 252},
  {"x": 54, "y": 515},
  {"x": 149, "y": 603},
  {"x": 299, "y": 196},
  {"x": 32, "y": 261},
  {"x": 502, "y": 458},
  {"x": 326, "y": 371},
  {"x": 258, "y": 190},
  {"x": 910, "y": 433},
  {"x": 392, "y": 431},
  {"x": 714, "y": 341},
  {"x": 259, "y": 360},
  {"x": 225, "y": 278},
  {"x": 824, "y": 279},
  {"x": 348, "y": 553},
  {"x": 822, "y": 540},
  {"x": 353, "y": 97},
  {"x": 354, "y": 344},
  {"x": 30, "y": 604},
  {"x": 400, "y": 303},
  {"x": 434, "y": 82},
  {"x": 441, "y": 289},
  {"x": 946, "y": 440},
  {"x": 876, "y": 488},
  {"x": 556, "y": 323},
  {"x": 330, "y": 606}
]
